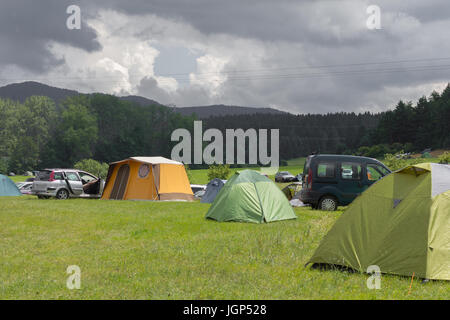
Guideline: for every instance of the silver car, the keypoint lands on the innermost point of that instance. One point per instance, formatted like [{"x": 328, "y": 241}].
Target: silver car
[
  {"x": 24, "y": 187},
  {"x": 198, "y": 190},
  {"x": 284, "y": 176},
  {"x": 67, "y": 183}
]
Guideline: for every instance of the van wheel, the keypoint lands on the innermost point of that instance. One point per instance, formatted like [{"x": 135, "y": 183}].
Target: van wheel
[
  {"x": 62, "y": 194},
  {"x": 328, "y": 203}
]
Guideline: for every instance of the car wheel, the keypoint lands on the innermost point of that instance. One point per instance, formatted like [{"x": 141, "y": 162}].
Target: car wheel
[
  {"x": 62, "y": 194},
  {"x": 328, "y": 203}
]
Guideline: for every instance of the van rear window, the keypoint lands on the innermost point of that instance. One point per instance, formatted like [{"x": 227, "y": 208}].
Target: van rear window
[{"x": 326, "y": 170}]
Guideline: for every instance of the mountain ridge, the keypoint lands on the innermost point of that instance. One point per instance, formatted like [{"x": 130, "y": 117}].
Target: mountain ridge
[{"x": 21, "y": 91}]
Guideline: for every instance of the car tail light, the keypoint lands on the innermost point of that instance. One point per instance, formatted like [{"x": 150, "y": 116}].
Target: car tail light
[
  {"x": 52, "y": 176},
  {"x": 309, "y": 178}
]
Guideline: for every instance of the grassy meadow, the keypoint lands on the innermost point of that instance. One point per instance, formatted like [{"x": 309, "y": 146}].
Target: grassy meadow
[{"x": 168, "y": 250}]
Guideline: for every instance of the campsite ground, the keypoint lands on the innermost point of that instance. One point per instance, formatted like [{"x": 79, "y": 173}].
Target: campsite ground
[{"x": 167, "y": 250}]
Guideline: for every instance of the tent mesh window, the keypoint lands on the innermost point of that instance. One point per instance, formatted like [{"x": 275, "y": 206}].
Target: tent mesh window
[{"x": 120, "y": 184}]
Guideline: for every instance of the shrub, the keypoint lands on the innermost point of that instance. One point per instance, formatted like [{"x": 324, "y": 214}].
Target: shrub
[
  {"x": 220, "y": 171},
  {"x": 396, "y": 161},
  {"x": 379, "y": 150},
  {"x": 444, "y": 158},
  {"x": 93, "y": 166}
]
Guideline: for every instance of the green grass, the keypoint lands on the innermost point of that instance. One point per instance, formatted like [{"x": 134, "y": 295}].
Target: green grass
[
  {"x": 167, "y": 250},
  {"x": 16, "y": 179},
  {"x": 200, "y": 176},
  {"x": 297, "y": 162}
]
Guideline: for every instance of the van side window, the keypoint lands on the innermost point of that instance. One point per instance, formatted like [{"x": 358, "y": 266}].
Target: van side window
[
  {"x": 351, "y": 171},
  {"x": 325, "y": 170},
  {"x": 375, "y": 172}
]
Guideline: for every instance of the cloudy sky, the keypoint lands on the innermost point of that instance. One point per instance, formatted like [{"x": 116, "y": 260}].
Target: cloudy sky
[{"x": 298, "y": 56}]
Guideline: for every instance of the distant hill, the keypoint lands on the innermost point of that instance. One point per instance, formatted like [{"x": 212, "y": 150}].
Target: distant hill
[
  {"x": 223, "y": 110},
  {"x": 140, "y": 100},
  {"x": 21, "y": 91}
]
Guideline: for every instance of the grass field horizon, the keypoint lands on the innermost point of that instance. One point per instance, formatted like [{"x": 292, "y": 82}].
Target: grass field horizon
[{"x": 200, "y": 176}]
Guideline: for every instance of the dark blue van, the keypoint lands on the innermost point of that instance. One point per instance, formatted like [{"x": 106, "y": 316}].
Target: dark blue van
[{"x": 333, "y": 180}]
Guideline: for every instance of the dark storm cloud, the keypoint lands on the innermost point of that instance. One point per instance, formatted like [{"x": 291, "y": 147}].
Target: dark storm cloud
[
  {"x": 267, "y": 20},
  {"x": 425, "y": 11},
  {"x": 306, "y": 21},
  {"x": 28, "y": 28}
]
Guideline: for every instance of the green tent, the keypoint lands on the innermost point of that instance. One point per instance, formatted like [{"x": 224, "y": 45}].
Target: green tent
[
  {"x": 7, "y": 187},
  {"x": 400, "y": 224},
  {"x": 250, "y": 197}
]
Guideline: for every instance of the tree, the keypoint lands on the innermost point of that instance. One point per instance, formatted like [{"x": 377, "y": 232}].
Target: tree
[
  {"x": 25, "y": 156},
  {"x": 35, "y": 120},
  {"x": 9, "y": 124},
  {"x": 77, "y": 132},
  {"x": 93, "y": 166}
]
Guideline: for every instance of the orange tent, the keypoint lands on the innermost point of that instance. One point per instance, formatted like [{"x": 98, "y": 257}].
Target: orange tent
[{"x": 147, "y": 178}]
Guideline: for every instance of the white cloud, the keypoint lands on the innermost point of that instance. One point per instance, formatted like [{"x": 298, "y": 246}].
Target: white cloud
[{"x": 209, "y": 73}]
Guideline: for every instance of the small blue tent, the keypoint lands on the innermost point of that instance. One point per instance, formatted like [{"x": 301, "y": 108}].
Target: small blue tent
[
  {"x": 7, "y": 187},
  {"x": 212, "y": 189}
]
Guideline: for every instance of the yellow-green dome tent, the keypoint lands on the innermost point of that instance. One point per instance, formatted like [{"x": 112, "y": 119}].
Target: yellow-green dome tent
[
  {"x": 400, "y": 224},
  {"x": 250, "y": 197}
]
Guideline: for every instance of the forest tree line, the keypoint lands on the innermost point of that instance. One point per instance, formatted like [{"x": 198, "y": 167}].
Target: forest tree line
[
  {"x": 409, "y": 127},
  {"x": 39, "y": 133}
]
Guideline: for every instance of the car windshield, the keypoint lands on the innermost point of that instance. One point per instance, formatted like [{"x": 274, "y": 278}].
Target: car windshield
[
  {"x": 86, "y": 178},
  {"x": 375, "y": 171}
]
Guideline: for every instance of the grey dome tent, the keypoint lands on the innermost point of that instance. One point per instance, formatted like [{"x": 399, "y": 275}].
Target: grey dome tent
[
  {"x": 7, "y": 187},
  {"x": 212, "y": 189}
]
